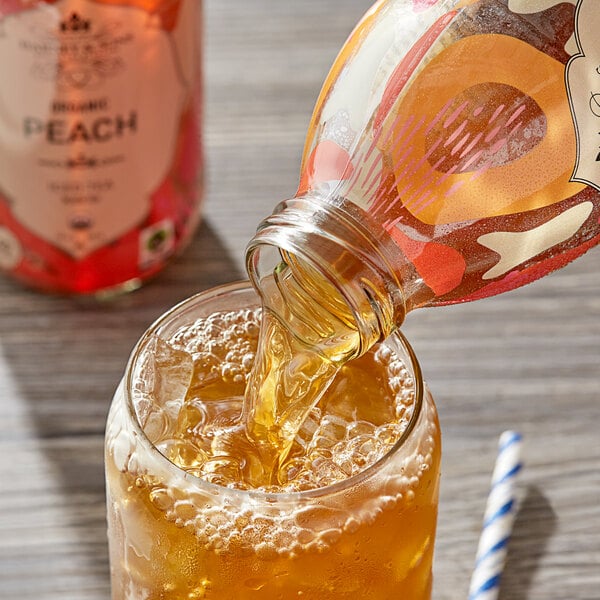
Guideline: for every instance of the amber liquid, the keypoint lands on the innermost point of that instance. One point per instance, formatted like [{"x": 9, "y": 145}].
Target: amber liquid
[
  {"x": 387, "y": 557},
  {"x": 309, "y": 428},
  {"x": 307, "y": 335}
]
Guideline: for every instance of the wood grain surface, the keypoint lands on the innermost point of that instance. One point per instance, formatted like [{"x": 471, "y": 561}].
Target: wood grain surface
[{"x": 528, "y": 360}]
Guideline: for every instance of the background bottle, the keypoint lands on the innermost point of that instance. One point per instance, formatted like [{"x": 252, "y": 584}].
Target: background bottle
[
  {"x": 100, "y": 157},
  {"x": 452, "y": 155}
]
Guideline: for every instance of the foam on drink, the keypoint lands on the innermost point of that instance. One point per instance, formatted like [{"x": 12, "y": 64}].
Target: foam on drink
[{"x": 191, "y": 396}]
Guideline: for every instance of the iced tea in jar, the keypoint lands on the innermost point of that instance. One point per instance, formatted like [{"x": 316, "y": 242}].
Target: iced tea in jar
[{"x": 350, "y": 511}]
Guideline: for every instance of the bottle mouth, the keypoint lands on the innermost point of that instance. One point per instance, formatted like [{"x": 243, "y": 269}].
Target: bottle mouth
[{"x": 335, "y": 260}]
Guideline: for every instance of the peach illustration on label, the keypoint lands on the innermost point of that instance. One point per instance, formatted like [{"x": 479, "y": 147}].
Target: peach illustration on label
[{"x": 449, "y": 151}]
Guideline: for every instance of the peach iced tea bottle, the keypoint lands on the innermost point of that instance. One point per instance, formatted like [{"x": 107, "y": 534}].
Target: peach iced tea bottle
[
  {"x": 452, "y": 155},
  {"x": 100, "y": 157}
]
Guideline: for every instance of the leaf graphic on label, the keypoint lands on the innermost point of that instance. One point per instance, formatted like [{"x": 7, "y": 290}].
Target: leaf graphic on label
[{"x": 515, "y": 247}]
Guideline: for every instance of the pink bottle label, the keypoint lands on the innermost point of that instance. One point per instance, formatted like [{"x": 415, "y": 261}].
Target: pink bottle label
[
  {"x": 90, "y": 125},
  {"x": 452, "y": 128}
]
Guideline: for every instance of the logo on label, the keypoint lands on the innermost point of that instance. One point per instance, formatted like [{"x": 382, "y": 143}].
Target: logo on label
[
  {"x": 583, "y": 90},
  {"x": 10, "y": 249},
  {"x": 77, "y": 52},
  {"x": 156, "y": 243}
]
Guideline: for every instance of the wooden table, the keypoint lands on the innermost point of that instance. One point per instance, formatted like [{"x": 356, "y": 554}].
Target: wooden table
[{"x": 528, "y": 360}]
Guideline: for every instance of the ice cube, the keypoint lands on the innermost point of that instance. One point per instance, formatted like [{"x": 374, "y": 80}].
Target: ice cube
[
  {"x": 173, "y": 369},
  {"x": 161, "y": 383}
]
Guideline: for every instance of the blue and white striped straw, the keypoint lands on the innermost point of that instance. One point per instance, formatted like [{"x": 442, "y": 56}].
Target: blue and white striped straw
[{"x": 498, "y": 520}]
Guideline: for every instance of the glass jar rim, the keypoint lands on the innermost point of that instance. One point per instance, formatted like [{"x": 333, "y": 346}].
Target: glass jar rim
[{"x": 244, "y": 286}]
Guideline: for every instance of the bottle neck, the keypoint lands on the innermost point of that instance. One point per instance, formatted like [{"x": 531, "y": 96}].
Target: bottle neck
[{"x": 317, "y": 259}]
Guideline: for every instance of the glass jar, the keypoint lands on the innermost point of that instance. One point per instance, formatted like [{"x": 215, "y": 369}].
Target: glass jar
[{"x": 173, "y": 534}]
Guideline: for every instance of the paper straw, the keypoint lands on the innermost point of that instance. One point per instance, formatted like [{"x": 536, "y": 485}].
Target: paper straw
[{"x": 497, "y": 521}]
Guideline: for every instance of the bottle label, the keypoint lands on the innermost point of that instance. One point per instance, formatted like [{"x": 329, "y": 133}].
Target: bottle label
[
  {"x": 90, "y": 104},
  {"x": 583, "y": 88},
  {"x": 469, "y": 131}
]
